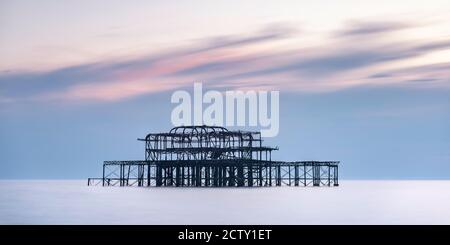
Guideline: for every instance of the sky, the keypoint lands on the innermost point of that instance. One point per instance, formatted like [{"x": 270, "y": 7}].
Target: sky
[{"x": 363, "y": 82}]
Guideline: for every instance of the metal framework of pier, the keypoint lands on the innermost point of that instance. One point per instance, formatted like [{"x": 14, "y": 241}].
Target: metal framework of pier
[{"x": 196, "y": 156}]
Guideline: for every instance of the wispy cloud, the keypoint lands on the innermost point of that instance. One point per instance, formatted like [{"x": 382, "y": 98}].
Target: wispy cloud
[
  {"x": 358, "y": 28},
  {"x": 258, "y": 60}
]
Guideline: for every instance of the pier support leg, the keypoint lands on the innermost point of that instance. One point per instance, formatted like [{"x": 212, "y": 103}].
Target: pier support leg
[
  {"x": 103, "y": 178},
  {"x": 240, "y": 176},
  {"x": 316, "y": 175},
  {"x": 250, "y": 175},
  {"x": 158, "y": 175},
  {"x": 148, "y": 175},
  {"x": 270, "y": 175},
  {"x": 335, "y": 176},
  {"x": 216, "y": 176},
  {"x": 177, "y": 176},
  {"x": 278, "y": 175}
]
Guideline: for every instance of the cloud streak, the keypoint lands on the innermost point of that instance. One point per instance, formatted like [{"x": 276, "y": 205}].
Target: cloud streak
[
  {"x": 362, "y": 28},
  {"x": 256, "y": 61}
]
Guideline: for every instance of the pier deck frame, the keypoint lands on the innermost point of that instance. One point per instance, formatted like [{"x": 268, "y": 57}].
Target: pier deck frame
[{"x": 217, "y": 173}]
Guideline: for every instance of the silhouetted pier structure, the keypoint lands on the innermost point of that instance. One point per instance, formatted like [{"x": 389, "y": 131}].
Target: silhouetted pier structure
[{"x": 213, "y": 157}]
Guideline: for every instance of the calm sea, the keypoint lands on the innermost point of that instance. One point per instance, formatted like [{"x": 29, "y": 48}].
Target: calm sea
[{"x": 354, "y": 202}]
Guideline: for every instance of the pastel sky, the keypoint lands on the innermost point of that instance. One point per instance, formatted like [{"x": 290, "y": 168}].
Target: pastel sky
[{"x": 364, "y": 82}]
